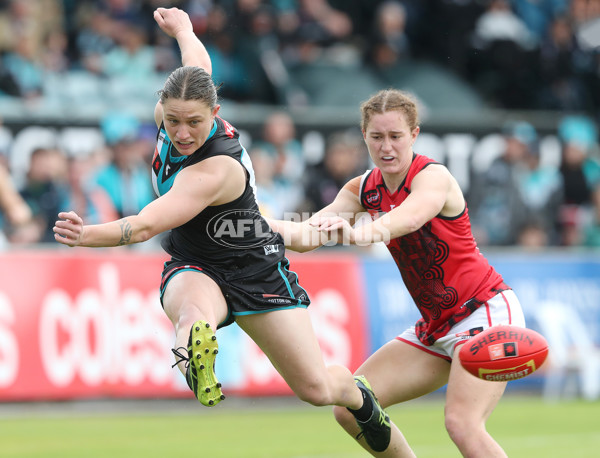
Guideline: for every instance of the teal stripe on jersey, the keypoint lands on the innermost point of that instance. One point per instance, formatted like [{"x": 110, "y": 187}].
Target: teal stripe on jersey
[{"x": 213, "y": 130}]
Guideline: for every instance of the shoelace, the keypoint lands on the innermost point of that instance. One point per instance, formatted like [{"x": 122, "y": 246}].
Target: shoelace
[{"x": 181, "y": 356}]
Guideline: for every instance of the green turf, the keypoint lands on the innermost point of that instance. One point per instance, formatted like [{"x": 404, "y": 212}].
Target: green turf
[{"x": 525, "y": 426}]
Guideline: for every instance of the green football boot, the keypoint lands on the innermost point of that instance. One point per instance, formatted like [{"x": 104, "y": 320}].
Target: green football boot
[
  {"x": 376, "y": 430},
  {"x": 200, "y": 367}
]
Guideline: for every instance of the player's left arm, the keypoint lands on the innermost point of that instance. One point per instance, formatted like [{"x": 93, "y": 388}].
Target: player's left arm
[
  {"x": 176, "y": 24},
  {"x": 433, "y": 192}
]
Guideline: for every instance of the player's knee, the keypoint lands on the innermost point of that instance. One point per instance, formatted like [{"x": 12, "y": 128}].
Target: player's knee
[
  {"x": 316, "y": 394},
  {"x": 459, "y": 426},
  {"x": 184, "y": 322}
]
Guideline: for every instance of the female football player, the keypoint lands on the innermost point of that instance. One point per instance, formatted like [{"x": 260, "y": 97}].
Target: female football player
[
  {"x": 226, "y": 264},
  {"x": 419, "y": 211}
]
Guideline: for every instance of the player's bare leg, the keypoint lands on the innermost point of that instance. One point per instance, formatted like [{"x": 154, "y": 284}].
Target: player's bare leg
[
  {"x": 195, "y": 305},
  {"x": 469, "y": 403},
  {"x": 415, "y": 373},
  {"x": 288, "y": 340}
]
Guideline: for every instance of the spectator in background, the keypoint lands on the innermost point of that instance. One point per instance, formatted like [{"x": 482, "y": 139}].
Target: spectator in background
[
  {"x": 582, "y": 11},
  {"x": 25, "y": 70},
  {"x": 537, "y": 14},
  {"x": 24, "y": 30},
  {"x": 562, "y": 66},
  {"x": 389, "y": 45},
  {"x": 55, "y": 54},
  {"x": 316, "y": 27},
  {"x": 84, "y": 195},
  {"x": 44, "y": 191},
  {"x": 132, "y": 57},
  {"x": 125, "y": 178},
  {"x": 230, "y": 66},
  {"x": 279, "y": 140},
  {"x": 271, "y": 195},
  {"x": 505, "y": 48},
  {"x": 500, "y": 23},
  {"x": 591, "y": 226},
  {"x": 345, "y": 158},
  {"x": 495, "y": 201},
  {"x": 122, "y": 10},
  {"x": 580, "y": 167},
  {"x": 541, "y": 191},
  {"x": 94, "y": 39},
  {"x": 580, "y": 170},
  {"x": 533, "y": 236},
  {"x": 260, "y": 49},
  {"x": 31, "y": 20}
]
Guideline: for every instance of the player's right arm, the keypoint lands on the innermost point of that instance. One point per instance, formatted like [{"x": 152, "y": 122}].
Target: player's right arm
[{"x": 176, "y": 24}]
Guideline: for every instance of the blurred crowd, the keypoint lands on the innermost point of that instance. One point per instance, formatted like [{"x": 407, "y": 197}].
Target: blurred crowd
[
  {"x": 520, "y": 54},
  {"x": 525, "y": 54}
]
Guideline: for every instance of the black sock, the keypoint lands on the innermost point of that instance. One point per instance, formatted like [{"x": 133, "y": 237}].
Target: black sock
[{"x": 364, "y": 413}]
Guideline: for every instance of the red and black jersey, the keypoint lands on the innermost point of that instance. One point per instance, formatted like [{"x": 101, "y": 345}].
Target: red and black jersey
[{"x": 446, "y": 275}]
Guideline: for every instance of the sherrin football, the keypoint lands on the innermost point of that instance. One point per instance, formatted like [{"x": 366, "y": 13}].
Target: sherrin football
[{"x": 503, "y": 353}]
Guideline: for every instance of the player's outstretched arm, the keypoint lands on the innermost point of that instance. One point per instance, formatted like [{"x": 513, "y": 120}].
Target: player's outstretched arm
[
  {"x": 299, "y": 236},
  {"x": 194, "y": 188},
  {"x": 70, "y": 230},
  {"x": 176, "y": 24},
  {"x": 317, "y": 230}
]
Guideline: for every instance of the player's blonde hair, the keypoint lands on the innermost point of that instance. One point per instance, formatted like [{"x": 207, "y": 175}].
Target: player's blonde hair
[{"x": 390, "y": 100}]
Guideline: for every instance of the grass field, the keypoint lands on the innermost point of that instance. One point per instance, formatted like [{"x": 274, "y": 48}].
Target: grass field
[{"x": 525, "y": 426}]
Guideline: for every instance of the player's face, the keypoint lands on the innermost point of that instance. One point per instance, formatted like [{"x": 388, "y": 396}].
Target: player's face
[
  {"x": 389, "y": 140},
  {"x": 188, "y": 123}
]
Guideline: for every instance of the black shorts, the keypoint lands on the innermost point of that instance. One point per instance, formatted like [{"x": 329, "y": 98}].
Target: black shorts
[{"x": 272, "y": 289}]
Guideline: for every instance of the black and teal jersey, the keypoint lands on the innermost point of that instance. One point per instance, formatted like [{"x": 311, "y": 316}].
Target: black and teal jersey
[{"x": 232, "y": 238}]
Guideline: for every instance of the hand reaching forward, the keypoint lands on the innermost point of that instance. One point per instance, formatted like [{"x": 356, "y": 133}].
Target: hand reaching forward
[
  {"x": 172, "y": 21},
  {"x": 339, "y": 229},
  {"x": 69, "y": 229}
]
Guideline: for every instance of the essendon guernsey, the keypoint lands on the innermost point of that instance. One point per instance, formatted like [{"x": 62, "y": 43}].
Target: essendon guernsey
[{"x": 446, "y": 275}]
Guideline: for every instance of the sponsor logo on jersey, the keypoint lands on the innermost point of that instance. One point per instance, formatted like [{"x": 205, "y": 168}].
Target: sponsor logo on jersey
[
  {"x": 373, "y": 197},
  {"x": 240, "y": 229}
]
